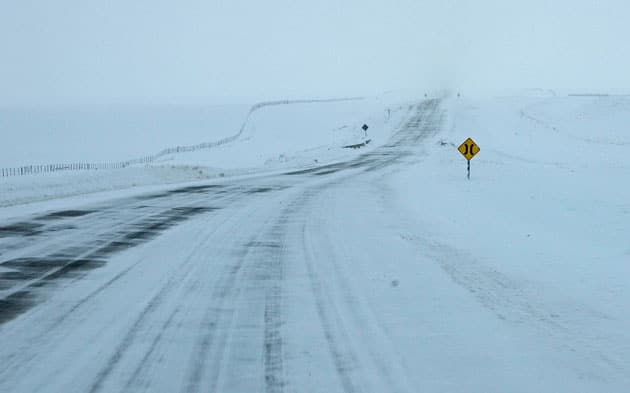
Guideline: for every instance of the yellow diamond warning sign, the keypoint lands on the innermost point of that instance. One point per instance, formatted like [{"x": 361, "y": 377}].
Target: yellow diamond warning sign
[{"x": 468, "y": 149}]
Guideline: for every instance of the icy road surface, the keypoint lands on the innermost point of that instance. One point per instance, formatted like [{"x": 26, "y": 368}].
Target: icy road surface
[{"x": 298, "y": 282}]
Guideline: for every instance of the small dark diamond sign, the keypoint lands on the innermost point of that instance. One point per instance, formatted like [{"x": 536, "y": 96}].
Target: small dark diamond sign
[{"x": 365, "y": 127}]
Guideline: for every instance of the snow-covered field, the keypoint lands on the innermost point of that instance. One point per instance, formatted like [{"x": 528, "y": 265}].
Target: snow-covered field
[
  {"x": 274, "y": 137},
  {"x": 539, "y": 239},
  {"x": 308, "y": 267}
]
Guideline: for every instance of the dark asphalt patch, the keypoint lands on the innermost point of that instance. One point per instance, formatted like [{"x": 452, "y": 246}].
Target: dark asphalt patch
[
  {"x": 32, "y": 267},
  {"x": 332, "y": 167},
  {"x": 65, "y": 214},
  {"x": 301, "y": 172},
  {"x": 21, "y": 229},
  {"x": 326, "y": 172},
  {"x": 263, "y": 244},
  {"x": 56, "y": 228},
  {"x": 148, "y": 197},
  {"x": 44, "y": 270},
  {"x": 327, "y": 169},
  {"x": 14, "y": 305},
  {"x": 184, "y": 190},
  {"x": 260, "y": 190},
  {"x": 34, "y": 228},
  {"x": 74, "y": 269},
  {"x": 196, "y": 189},
  {"x": 75, "y": 262},
  {"x": 148, "y": 229}
]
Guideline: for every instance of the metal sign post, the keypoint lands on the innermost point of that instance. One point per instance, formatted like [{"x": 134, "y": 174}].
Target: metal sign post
[{"x": 469, "y": 149}]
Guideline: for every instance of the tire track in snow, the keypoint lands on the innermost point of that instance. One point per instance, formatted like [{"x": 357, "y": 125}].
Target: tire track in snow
[
  {"x": 210, "y": 346},
  {"x": 344, "y": 358},
  {"x": 102, "y": 288},
  {"x": 130, "y": 336},
  {"x": 25, "y": 355},
  {"x": 353, "y": 373},
  {"x": 216, "y": 319},
  {"x": 184, "y": 273},
  {"x": 273, "y": 341},
  {"x": 387, "y": 364},
  {"x": 135, "y": 379},
  {"x": 128, "y": 339},
  {"x": 423, "y": 124}
]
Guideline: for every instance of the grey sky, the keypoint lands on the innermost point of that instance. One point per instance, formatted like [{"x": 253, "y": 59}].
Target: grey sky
[{"x": 69, "y": 51}]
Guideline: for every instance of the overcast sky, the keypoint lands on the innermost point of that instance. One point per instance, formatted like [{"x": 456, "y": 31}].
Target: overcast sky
[{"x": 72, "y": 51}]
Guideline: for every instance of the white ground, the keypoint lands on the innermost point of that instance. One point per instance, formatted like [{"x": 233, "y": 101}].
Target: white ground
[
  {"x": 274, "y": 137},
  {"x": 538, "y": 240},
  {"x": 390, "y": 273}
]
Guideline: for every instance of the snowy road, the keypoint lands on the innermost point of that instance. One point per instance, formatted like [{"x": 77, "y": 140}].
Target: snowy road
[
  {"x": 365, "y": 275},
  {"x": 241, "y": 286}
]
